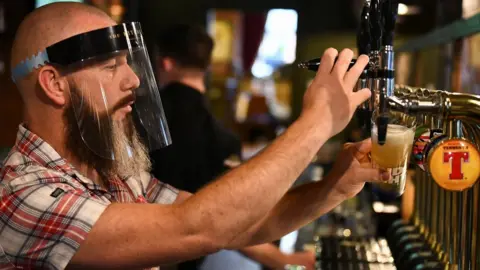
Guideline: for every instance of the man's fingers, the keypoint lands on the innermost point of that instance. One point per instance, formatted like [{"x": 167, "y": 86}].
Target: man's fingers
[
  {"x": 360, "y": 150},
  {"x": 372, "y": 175},
  {"x": 361, "y": 96},
  {"x": 354, "y": 73},
  {"x": 328, "y": 60},
  {"x": 343, "y": 62},
  {"x": 364, "y": 146}
]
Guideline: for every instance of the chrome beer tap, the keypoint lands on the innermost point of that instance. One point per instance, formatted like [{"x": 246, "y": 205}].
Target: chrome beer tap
[
  {"x": 386, "y": 73},
  {"x": 374, "y": 38},
  {"x": 364, "y": 42},
  {"x": 376, "y": 29},
  {"x": 364, "y": 111}
]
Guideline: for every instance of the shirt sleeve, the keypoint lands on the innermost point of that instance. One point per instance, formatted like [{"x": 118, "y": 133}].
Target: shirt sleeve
[
  {"x": 161, "y": 193},
  {"x": 43, "y": 225}
]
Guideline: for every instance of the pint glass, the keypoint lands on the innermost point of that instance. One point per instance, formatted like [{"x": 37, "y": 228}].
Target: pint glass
[{"x": 394, "y": 155}]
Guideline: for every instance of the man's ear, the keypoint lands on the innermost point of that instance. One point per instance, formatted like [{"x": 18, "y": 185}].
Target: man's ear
[{"x": 52, "y": 84}]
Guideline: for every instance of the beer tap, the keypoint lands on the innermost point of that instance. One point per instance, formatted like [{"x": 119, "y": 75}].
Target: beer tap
[
  {"x": 375, "y": 24},
  {"x": 377, "y": 17},
  {"x": 389, "y": 10},
  {"x": 364, "y": 112},
  {"x": 382, "y": 24}
]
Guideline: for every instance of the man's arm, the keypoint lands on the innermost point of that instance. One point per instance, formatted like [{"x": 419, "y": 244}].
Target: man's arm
[
  {"x": 268, "y": 254},
  {"x": 137, "y": 236},
  {"x": 131, "y": 236}
]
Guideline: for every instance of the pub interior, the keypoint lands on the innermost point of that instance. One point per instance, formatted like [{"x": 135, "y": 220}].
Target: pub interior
[{"x": 255, "y": 87}]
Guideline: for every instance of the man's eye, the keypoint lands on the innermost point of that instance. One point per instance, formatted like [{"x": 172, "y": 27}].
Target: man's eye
[{"x": 111, "y": 67}]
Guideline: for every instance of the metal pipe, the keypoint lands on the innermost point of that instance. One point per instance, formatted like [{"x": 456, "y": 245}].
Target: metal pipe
[
  {"x": 457, "y": 229},
  {"x": 440, "y": 248},
  {"x": 428, "y": 203},
  {"x": 475, "y": 229},
  {"x": 469, "y": 206},
  {"x": 422, "y": 203},
  {"x": 448, "y": 225},
  {"x": 434, "y": 213},
  {"x": 448, "y": 105},
  {"x": 418, "y": 197},
  {"x": 466, "y": 239},
  {"x": 455, "y": 129},
  {"x": 436, "y": 123}
]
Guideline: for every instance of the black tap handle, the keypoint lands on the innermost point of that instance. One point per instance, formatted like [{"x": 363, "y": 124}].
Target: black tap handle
[
  {"x": 390, "y": 12},
  {"x": 364, "y": 36},
  {"x": 376, "y": 25}
]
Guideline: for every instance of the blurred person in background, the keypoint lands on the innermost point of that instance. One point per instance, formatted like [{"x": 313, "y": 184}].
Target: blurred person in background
[{"x": 203, "y": 149}]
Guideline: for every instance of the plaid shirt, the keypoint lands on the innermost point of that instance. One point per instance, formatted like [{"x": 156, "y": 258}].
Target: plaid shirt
[{"x": 47, "y": 208}]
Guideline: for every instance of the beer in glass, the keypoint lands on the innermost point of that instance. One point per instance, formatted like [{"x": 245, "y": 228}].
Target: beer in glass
[{"x": 394, "y": 155}]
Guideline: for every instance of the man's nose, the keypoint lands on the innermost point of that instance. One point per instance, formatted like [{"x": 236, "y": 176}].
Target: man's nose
[{"x": 131, "y": 80}]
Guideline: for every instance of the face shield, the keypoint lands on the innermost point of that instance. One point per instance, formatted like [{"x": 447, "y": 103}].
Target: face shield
[{"x": 111, "y": 85}]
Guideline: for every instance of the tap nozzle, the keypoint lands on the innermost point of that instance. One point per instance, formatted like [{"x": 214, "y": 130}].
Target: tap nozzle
[{"x": 382, "y": 126}]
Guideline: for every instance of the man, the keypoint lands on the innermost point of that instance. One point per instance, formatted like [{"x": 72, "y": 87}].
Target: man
[
  {"x": 73, "y": 190},
  {"x": 202, "y": 148}
]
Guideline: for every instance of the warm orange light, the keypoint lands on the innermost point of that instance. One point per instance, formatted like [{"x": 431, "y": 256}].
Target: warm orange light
[{"x": 116, "y": 10}]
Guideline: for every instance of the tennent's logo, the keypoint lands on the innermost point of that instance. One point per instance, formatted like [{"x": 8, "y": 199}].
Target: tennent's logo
[
  {"x": 455, "y": 164},
  {"x": 455, "y": 159}
]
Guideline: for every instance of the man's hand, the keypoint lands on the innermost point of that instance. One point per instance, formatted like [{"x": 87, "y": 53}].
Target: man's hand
[
  {"x": 308, "y": 202},
  {"x": 305, "y": 258},
  {"x": 330, "y": 97},
  {"x": 353, "y": 168}
]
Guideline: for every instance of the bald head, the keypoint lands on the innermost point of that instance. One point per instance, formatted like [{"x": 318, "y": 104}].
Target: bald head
[{"x": 52, "y": 23}]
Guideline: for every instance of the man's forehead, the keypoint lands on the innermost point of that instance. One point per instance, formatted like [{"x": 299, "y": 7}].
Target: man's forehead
[{"x": 54, "y": 23}]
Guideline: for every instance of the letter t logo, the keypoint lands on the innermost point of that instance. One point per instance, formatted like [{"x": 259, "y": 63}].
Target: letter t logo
[{"x": 456, "y": 167}]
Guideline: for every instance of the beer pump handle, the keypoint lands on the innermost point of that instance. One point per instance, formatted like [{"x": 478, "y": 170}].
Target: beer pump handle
[
  {"x": 364, "y": 38},
  {"x": 389, "y": 11},
  {"x": 375, "y": 23},
  {"x": 363, "y": 35}
]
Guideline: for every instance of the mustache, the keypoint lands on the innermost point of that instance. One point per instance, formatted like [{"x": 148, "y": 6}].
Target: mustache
[{"x": 130, "y": 99}]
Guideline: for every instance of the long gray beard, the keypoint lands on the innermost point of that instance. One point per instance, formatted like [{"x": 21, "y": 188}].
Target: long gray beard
[
  {"x": 100, "y": 132},
  {"x": 131, "y": 155}
]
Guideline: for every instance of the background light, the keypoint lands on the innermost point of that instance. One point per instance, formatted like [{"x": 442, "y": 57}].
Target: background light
[{"x": 402, "y": 9}]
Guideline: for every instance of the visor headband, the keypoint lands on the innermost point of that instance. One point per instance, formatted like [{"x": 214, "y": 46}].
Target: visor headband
[{"x": 81, "y": 47}]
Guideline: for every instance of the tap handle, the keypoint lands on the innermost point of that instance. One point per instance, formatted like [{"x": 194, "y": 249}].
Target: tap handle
[
  {"x": 364, "y": 36},
  {"x": 390, "y": 12},
  {"x": 376, "y": 26},
  {"x": 364, "y": 119}
]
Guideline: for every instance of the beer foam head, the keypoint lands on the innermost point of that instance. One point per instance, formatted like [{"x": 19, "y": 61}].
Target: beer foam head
[{"x": 396, "y": 134}]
